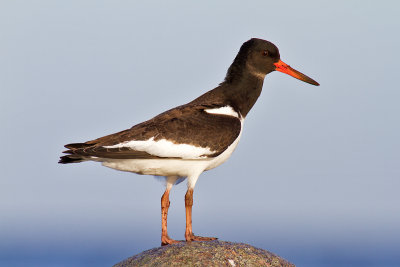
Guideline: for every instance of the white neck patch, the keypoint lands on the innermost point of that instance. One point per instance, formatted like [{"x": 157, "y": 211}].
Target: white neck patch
[
  {"x": 256, "y": 72},
  {"x": 227, "y": 110}
]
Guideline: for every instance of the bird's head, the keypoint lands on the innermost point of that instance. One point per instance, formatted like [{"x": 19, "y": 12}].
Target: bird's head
[{"x": 262, "y": 57}]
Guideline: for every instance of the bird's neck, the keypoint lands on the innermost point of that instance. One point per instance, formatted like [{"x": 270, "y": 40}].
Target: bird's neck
[{"x": 240, "y": 92}]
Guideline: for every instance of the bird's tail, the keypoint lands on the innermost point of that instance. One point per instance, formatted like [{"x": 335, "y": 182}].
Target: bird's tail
[
  {"x": 73, "y": 153},
  {"x": 71, "y": 159}
]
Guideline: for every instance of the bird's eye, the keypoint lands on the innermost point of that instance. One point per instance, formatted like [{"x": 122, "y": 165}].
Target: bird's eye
[{"x": 265, "y": 53}]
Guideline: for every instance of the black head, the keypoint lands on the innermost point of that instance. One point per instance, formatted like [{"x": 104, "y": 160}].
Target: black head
[{"x": 260, "y": 57}]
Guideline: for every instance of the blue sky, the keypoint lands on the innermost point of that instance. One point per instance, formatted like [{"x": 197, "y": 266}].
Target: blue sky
[{"x": 315, "y": 177}]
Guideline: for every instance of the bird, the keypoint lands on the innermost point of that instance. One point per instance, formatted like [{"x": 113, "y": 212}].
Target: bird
[{"x": 187, "y": 140}]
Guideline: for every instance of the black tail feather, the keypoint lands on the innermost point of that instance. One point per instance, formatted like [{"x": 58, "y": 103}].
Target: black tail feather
[
  {"x": 73, "y": 157},
  {"x": 70, "y": 159}
]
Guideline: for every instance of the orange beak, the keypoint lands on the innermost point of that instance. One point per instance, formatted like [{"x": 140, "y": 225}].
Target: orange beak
[{"x": 285, "y": 68}]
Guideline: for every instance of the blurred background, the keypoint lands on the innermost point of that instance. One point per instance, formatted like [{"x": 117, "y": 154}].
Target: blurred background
[{"x": 315, "y": 178}]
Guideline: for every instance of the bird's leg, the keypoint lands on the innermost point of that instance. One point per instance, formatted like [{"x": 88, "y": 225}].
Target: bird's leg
[
  {"x": 165, "y": 239},
  {"x": 188, "y": 209},
  {"x": 189, "y": 236}
]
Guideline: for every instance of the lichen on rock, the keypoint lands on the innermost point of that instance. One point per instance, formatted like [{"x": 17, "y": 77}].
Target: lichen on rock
[{"x": 209, "y": 253}]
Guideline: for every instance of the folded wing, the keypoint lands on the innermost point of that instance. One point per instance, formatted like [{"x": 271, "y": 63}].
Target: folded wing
[{"x": 185, "y": 132}]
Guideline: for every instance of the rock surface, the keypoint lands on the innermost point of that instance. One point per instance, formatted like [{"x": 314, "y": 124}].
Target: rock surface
[{"x": 210, "y": 253}]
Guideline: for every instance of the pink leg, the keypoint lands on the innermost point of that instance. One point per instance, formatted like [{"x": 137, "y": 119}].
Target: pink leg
[{"x": 189, "y": 236}]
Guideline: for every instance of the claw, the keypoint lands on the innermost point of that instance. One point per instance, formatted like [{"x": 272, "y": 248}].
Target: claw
[
  {"x": 168, "y": 241},
  {"x": 200, "y": 238}
]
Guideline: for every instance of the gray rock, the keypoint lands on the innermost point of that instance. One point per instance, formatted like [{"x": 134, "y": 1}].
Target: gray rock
[{"x": 210, "y": 253}]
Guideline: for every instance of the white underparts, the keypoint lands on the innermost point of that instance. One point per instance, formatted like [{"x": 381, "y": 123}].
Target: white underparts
[
  {"x": 227, "y": 110},
  {"x": 181, "y": 160},
  {"x": 190, "y": 168}
]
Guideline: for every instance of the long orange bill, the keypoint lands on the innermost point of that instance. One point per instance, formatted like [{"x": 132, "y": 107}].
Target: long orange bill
[{"x": 285, "y": 68}]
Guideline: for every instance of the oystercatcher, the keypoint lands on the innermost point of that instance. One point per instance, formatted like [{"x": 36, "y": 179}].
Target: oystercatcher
[{"x": 187, "y": 140}]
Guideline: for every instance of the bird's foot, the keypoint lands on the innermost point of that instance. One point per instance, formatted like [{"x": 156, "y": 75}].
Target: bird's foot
[
  {"x": 166, "y": 240},
  {"x": 193, "y": 237}
]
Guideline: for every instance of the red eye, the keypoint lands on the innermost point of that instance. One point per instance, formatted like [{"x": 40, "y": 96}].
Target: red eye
[{"x": 265, "y": 53}]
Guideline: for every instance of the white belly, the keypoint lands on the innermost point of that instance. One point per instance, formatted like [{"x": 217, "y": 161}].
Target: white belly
[{"x": 170, "y": 167}]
